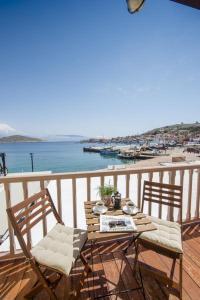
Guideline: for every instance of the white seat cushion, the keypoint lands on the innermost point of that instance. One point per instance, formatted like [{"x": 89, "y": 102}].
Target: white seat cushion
[
  {"x": 167, "y": 235},
  {"x": 60, "y": 248}
]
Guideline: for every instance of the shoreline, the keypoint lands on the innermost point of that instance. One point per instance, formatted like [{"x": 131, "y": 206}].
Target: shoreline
[{"x": 158, "y": 160}]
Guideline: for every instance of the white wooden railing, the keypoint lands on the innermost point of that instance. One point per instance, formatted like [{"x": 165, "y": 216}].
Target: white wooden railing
[{"x": 70, "y": 190}]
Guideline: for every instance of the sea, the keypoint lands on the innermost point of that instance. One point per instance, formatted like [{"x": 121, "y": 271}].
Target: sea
[{"x": 56, "y": 157}]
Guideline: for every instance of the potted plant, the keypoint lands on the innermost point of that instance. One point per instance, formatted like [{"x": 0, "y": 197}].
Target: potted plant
[{"x": 105, "y": 192}]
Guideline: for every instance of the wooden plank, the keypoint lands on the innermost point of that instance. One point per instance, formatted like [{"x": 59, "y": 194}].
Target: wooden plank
[
  {"x": 59, "y": 200},
  {"x": 32, "y": 216},
  {"x": 127, "y": 185},
  {"x": 74, "y": 202},
  {"x": 28, "y": 201},
  {"x": 24, "y": 231},
  {"x": 88, "y": 189},
  {"x": 151, "y": 195},
  {"x": 26, "y": 212},
  {"x": 150, "y": 203},
  {"x": 92, "y": 174},
  {"x": 158, "y": 271},
  {"x": 163, "y": 202},
  {"x": 190, "y": 289},
  {"x": 188, "y": 217},
  {"x": 126, "y": 275},
  {"x": 180, "y": 213},
  {"x": 10, "y": 229},
  {"x": 90, "y": 204},
  {"x": 159, "y": 190},
  {"x": 139, "y": 182},
  {"x": 13, "y": 281},
  {"x": 30, "y": 209},
  {"x": 141, "y": 227},
  {"x": 97, "y": 281},
  {"x": 161, "y": 174},
  {"x": 28, "y": 281},
  {"x": 137, "y": 221},
  {"x": 170, "y": 211},
  {"x": 115, "y": 180},
  {"x": 114, "y": 281},
  {"x": 116, "y": 213},
  {"x": 166, "y": 185},
  {"x": 44, "y": 221},
  {"x": 197, "y": 211}
]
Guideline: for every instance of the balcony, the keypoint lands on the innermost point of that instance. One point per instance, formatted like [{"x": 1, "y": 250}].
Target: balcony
[{"x": 112, "y": 271}]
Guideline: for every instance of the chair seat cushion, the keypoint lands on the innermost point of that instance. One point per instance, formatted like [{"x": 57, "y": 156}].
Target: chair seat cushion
[
  {"x": 167, "y": 235},
  {"x": 60, "y": 248}
]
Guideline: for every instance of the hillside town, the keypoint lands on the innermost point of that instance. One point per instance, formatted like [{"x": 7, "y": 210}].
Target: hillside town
[{"x": 178, "y": 134}]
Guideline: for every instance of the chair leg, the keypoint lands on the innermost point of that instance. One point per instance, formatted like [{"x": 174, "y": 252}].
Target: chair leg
[
  {"x": 172, "y": 272},
  {"x": 43, "y": 281},
  {"x": 34, "y": 291},
  {"x": 68, "y": 292},
  {"x": 181, "y": 276}
]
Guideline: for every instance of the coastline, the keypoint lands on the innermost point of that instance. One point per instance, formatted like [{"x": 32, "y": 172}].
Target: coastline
[{"x": 156, "y": 161}]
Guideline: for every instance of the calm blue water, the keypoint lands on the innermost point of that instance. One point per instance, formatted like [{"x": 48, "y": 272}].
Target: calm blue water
[{"x": 54, "y": 156}]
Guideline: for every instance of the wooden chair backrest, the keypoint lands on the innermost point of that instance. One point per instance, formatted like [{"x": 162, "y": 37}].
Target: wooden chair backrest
[
  {"x": 163, "y": 194},
  {"x": 26, "y": 214}
]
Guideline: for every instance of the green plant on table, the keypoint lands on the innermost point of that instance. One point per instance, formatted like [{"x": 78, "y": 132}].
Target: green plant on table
[{"x": 106, "y": 190}]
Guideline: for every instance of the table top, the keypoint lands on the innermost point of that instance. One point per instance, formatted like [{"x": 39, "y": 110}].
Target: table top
[{"x": 142, "y": 222}]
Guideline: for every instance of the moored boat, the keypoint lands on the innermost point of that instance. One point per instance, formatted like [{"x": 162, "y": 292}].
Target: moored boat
[{"x": 108, "y": 152}]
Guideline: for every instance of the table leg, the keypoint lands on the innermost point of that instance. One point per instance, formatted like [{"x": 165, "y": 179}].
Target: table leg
[
  {"x": 140, "y": 275},
  {"x": 132, "y": 241}
]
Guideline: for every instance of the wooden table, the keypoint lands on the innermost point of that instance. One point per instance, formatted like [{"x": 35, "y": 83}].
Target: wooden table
[{"x": 142, "y": 222}]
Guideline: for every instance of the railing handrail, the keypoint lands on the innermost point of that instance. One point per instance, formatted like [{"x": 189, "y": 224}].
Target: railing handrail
[{"x": 97, "y": 173}]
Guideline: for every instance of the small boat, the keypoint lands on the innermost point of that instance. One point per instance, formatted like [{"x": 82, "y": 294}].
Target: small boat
[
  {"x": 108, "y": 152},
  {"x": 94, "y": 149},
  {"x": 128, "y": 155}
]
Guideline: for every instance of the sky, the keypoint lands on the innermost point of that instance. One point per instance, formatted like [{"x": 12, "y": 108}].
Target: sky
[{"x": 91, "y": 68}]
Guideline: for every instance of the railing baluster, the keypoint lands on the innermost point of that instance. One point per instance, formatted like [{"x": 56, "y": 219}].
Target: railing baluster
[
  {"x": 88, "y": 189},
  {"x": 44, "y": 221},
  {"x": 115, "y": 181},
  {"x": 59, "y": 200},
  {"x": 10, "y": 229},
  {"x": 189, "y": 195},
  {"x": 172, "y": 176},
  {"x": 182, "y": 173},
  {"x": 139, "y": 181},
  {"x": 198, "y": 195},
  {"x": 150, "y": 203},
  {"x": 25, "y": 192},
  {"x": 102, "y": 181},
  {"x": 161, "y": 174},
  {"x": 74, "y": 202},
  {"x": 128, "y": 186}
]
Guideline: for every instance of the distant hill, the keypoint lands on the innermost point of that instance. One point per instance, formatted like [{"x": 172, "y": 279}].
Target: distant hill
[
  {"x": 64, "y": 138},
  {"x": 191, "y": 128},
  {"x": 18, "y": 139}
]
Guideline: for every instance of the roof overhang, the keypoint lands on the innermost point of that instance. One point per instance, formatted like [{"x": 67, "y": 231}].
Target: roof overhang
[{"x": 192, "y": 3}]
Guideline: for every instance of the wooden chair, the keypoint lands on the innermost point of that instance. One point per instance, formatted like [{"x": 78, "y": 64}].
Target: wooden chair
[
  {"x": 167, "y": 239},
  {"x": 56, "y": 252}
]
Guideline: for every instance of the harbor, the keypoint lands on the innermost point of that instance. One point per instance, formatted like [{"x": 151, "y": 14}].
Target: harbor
[{"x": 124, "y": 152}]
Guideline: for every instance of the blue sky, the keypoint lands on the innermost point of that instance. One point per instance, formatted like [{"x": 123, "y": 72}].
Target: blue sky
[{"x": 89, "y": 67}]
